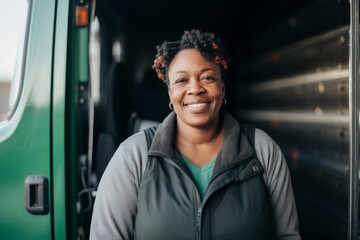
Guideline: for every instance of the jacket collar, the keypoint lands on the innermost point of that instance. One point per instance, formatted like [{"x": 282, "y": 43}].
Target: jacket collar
[{"x": 235, "y": 146}]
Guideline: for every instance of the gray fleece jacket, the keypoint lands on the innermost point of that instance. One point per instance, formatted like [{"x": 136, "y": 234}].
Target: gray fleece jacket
[{"x": 150, "y": 194}]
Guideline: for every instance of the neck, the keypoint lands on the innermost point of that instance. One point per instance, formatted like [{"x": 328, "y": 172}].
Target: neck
[{"x": 197, "y": 136}]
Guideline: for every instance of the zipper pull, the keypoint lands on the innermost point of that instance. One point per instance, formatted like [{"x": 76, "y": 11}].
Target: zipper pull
[
  {"x": 199, "y": 214},
  {"x": 198, "y": 221}
]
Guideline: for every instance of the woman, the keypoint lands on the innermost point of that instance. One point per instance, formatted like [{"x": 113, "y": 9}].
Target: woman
[{"x": 203, "y": 177}]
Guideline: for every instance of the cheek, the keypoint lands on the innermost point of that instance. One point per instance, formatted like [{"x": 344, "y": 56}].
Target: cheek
[
  {"x": 219, "y": 92},
  {"x": 174, "y": 95}
]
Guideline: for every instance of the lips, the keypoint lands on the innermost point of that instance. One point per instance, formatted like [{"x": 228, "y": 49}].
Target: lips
[{"x": 198, "y": 107}]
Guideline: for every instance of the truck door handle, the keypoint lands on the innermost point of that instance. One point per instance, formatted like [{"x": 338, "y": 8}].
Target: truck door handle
[{"x": 36, "y": 195}]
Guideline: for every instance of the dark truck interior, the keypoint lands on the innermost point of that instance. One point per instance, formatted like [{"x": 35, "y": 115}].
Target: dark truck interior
[{"x": 276, "y": 49}]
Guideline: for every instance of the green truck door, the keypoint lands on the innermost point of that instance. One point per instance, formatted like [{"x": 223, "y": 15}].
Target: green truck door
[{"x": 25, "y": 138}]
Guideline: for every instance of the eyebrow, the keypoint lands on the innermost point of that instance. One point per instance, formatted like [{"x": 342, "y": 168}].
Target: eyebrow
[
  {"x": 207, "y": 69},
  {"x": 202, "y": 70}
]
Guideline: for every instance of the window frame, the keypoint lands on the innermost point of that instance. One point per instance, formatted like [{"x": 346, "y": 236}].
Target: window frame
[{"x": 16, "y": 91}]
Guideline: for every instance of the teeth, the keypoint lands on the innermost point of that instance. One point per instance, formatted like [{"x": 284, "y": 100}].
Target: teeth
[{"x": 197, "y": 104}]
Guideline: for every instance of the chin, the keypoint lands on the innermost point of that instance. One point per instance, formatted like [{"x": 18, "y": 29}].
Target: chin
[{"x": 200, "y": 122}]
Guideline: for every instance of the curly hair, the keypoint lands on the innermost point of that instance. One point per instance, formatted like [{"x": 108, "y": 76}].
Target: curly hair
[{"x": 211, "y": 48}]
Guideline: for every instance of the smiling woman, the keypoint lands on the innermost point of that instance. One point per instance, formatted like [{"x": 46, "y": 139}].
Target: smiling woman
[
  {"x": 196, "y": 89},
  {"x": 202, "y": 167}
]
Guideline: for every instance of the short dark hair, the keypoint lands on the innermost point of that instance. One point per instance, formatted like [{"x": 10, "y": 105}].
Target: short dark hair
[{"x": 206, "y": 43}]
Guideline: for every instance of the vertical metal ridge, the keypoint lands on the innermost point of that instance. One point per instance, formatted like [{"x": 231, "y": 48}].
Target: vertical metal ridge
[{"x": 353, "y": 119}]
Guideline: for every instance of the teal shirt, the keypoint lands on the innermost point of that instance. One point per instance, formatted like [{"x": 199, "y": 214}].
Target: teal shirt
[{"x": 201, "y": 175}]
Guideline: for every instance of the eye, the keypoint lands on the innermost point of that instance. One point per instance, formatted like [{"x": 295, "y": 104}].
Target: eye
[
  {"x": 208, "y": 78},
  {"x": 180, "y": 80}
]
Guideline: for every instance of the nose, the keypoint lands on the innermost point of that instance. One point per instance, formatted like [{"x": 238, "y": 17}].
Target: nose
[{"x": 195, "y": 87}]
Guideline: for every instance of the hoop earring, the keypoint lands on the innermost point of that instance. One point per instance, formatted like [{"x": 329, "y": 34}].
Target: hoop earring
[
  {"x": 171, "y": 106},
  {"x": 224, "y": 101}
]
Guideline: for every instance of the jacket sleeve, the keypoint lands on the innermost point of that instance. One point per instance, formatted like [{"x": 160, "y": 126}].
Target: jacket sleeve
[
  {"x": 115, "y": 205},
  {"x": 284, "y": 214}
]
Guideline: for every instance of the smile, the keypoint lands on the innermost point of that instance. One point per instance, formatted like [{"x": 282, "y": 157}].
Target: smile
[
  {"x": 198, "y": 107},
  {"x": 197, "y": 104}
]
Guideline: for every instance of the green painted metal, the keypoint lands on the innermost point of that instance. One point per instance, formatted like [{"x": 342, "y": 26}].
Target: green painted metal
[
  {"x": 58, "y": 120},
  {"x": 83, "y": 34},
  {"x": 26, "y": 151},
  {"x": 44, "y": 136},
  {"x": 76, "y": 130}
]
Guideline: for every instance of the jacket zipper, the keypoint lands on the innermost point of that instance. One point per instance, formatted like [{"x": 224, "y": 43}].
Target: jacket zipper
[
  {"x": 198, "y": 222},
  {"x": 198, "y": 202}
]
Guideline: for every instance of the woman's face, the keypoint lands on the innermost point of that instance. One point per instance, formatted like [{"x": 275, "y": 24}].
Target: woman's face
[{"x": 195, "y": 89}]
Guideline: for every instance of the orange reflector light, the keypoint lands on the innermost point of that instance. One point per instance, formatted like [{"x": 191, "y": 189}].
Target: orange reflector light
[{"x": 81, "y": 16}]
